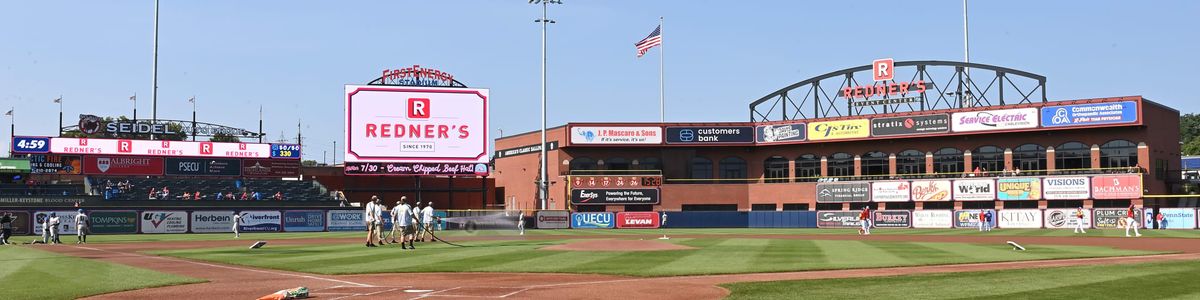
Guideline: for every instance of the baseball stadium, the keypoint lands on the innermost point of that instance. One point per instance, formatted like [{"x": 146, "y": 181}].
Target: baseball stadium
[{"x": 922, "y": 178}]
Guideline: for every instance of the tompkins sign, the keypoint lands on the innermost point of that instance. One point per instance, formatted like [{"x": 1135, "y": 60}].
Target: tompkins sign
[{"x": 412, "y": 124}]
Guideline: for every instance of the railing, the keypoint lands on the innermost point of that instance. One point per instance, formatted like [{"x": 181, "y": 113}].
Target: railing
[{"x": 1088, "y": 171}]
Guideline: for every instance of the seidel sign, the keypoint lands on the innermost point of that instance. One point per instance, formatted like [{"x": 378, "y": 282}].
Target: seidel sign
[{"x": 416, "y": 124}]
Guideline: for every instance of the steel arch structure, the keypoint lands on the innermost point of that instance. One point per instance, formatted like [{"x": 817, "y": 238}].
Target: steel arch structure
[{"x": 950, "y": 84}]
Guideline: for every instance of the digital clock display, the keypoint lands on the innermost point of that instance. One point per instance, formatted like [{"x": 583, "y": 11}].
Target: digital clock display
[{"x": 23, "y": 144}]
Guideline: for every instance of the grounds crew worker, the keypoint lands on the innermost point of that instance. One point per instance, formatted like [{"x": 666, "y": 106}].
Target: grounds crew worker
[
  {"x": 427, "y": 221},
  {"x": 371, "y": 217}
]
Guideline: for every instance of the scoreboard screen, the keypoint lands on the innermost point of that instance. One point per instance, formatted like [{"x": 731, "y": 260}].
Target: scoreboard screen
[{"x": 285, "y": 151}]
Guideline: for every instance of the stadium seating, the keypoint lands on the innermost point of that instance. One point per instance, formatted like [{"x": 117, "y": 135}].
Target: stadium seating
[{"x": 291, "y": 190}]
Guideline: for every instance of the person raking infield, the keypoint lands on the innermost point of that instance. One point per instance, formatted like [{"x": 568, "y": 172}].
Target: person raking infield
[
  {"x": 82, "y": 224},
  {"x": 1079, "y": 221}
]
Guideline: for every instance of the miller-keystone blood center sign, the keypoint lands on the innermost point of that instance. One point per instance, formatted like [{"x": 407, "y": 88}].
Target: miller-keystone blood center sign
[{"x": 416, "y": 124}]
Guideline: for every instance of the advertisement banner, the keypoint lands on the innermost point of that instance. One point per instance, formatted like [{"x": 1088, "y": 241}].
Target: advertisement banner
[
  {"x": 122, "y": 165},
  {"x": 931, "y": 190},
  {"x": 21, "y": 221},
  {"x": 303, "y": 220},
  {"x": 119, "y": 222},
  {"x": 637, "y": 219},
  {"x": 593, "y": 220},
  {"x": 66, "y": 221},
  {"x": 781, "y": 133},
  {"x": 990, "y": 120},
  {"x": 260, "y": 221},
  {"x": 913, "y": 125},
  {"x": 164, "y": 222},
  {"x": 843, "y": 192},
  {"x": 970, "y": 218},
  {"x": 1057, "y": 218},
  {"x": 614, "y": 196},
  {"x": 838, "y": 219},
  {"x": 608, "y": 182},
  {"x": 710, "y": 135},
  {"x": 55, "y": 164},
  {"x": 416, "y": 124},
  {"x": 1124, "y": 186},
  {"x": 1065, "y": 188},
  {"x": 158, "y": 148},
  {"x": 212, "y": 221},
  {"x": 1109, "y": 218},
  {"x": 1019, "y": 218},
  {"x": 523, "y": 150},
  {"x": 611, "y": 135},
  {"x": 203, "y": 166},
  {"x": 891, "y": 219},
  {"x": 553, "y": 219},
  {"x": 270, "y": 167},
  {"x": 974, "y": 190},
  {"x": 1090, "y": 114},
  {"x": 890, "y": 191},
  {"x": 285, "y": 151},
  {"x": 423, "y": 169},
  {"x": 346, "y": 220},
  {"x": 1021, "y": 188},
  {"x": 932, "y": 219},
  {"x": 838, "y": 130},
  {"x": 1173, "y": 218}
]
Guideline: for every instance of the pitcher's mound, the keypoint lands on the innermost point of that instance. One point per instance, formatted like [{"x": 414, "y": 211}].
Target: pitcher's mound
[{"x": 617, "y": 245}]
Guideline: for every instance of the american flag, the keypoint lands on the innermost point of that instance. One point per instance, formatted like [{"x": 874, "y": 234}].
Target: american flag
[
  {"x": 654, "y": 39},
  {"x": 58, "y": 100},
  {"x": 9, "y": 113}
]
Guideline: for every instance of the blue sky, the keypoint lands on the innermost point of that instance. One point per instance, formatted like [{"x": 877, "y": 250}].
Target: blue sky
[{"x": 293, "y": 57}]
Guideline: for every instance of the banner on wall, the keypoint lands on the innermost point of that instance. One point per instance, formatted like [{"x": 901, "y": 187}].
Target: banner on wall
[
  {"x": 1065, "y": 188},
  {"x": 932, "y": 219},
  {"x": 260, "y": 221},
  {"x": 270, "y": 167},
  {"x": 164, "y": 221},
  {"x": 1020, "y": 188},
  {"x": 910, "y": 125},
  {"x": 710, "y": 135},
  {"x": 974, "y": 190},
  {"x": 553, "y": 219},
  {"x": 399, "y": 124},
  {"x": 994, "y": 120},
  {"x": 212, "y": 221},
  {"x": 891, "y": 218},
  {"x": 843, "y": 192},
  {"x": 1108, "y": 218},
  {"x": 781, "y": 133},
  {"x": 55, "y": 164},
  {"x": 930, "y": 190},
  {"x": 593, "y": 220},
  {"x": 21, "y": 221},
  {"x": 1067, "y": 218},
  {"x": 122, "y": 222},
  {"x": 838, "y": 219},
  {"x": 838, "y": 130},
  {"x": 1019, "y": 218},
  {"x": 890, "y": 191},
  {"x": 637, "y": 219},
  {"x": 1173, "y": 218},
  {"x": 186, "y": 166},
  {"x": 346, "y": 220},
  {"x": 970, "y": 218},
  {"x": 612, "y": 135},
  {"x": 122, "y": 165},
  {"x": 303, "y": 220},
  {"x": 1090, "y": 114},
  {"x": 66, "y": 221},
  {"x": 1125, "y": 186}
]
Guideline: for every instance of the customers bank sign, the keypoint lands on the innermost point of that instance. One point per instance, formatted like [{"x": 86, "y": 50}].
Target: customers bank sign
[{"x": 416, "y": 124}]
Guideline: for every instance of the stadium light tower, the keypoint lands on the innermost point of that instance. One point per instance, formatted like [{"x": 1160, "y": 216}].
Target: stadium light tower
[{"x": 543, "y": 179}]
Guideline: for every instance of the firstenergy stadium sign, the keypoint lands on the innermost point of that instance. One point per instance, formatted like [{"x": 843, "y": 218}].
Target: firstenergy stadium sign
[{"x": 401, "y": 124}]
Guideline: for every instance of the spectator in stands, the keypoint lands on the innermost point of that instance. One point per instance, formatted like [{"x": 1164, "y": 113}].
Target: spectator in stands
[
  {"x": 257, "y": 196},
  {"x": 153, "y": 193},
  {"x": 278, "y": 196},
  {"x": 245, "y": 196},
  {"x": 229, "y": 196},
  {"x": 198, "y": 196},
  {"x": 186, "y": 196},
  {"x": 166, "y": 193}
]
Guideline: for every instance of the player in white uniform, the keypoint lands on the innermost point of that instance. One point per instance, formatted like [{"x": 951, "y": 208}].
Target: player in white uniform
[
  {"x": 1079, "y": 221},
  {"x": 427, "y": 221},
  {"x": 1131, "y": 221},
  {"x": 237, "y": 221},
  {"x": 82, "y": 223},
  {"x": 521, "y": 221},
  {"x": 370, "y": 221},
  {"x": 53, "y": 223}
]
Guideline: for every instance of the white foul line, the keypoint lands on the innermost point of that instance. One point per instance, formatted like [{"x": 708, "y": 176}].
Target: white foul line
[{"x": 233, "y": 268}]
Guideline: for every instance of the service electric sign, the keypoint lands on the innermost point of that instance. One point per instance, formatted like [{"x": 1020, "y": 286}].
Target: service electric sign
[
  {"x": 416, "y": 124},
  {"x": 990, "y": 120}
]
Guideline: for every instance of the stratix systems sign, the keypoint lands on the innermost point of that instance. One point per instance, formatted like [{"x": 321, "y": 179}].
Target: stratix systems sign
[
  {"x": 710, "y": 135},
  {"x": 912, "y": 125}
]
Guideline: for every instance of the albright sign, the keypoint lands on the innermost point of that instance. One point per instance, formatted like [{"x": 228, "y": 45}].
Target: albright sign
[{"x": 416, "y": 124}]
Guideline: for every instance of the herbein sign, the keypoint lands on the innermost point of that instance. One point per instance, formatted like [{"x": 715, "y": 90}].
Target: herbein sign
[{"x": 416, "y": 124}]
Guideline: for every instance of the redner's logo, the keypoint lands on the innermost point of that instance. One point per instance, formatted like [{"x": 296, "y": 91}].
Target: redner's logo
[
  {"x": 881, "y": 69},
  {"x": 418, "y": 108}
]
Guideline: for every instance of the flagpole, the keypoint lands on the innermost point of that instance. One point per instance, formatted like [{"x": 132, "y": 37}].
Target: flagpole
[
  {"x": 662, "y": 110},
  {"x": 60, "y": 115}
]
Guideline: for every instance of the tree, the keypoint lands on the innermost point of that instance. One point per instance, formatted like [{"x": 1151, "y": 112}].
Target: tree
[
  {"x": 224, "y": 138},
  {"x": 309, "y": 163},
  {"x": 1189, "y": 130}
]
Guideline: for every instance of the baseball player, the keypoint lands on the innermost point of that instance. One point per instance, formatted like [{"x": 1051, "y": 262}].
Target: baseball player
[
  {"x": 521, "y": 222},
  {"x": 237, "y": 221},
  {"x": 987, "y": 220},
  {"x": 5, "y": 228},
  {"x": 864, "y": 218},
  {"x": 370, "y": 220},
  {"x": 53, "y": 224},
  {"x": 427, "y": 221},
  {"x": 1131, "y": 221},
  {"x": 45, "y": 229},
  {"x": 82, "y": 223},
  {"x": 1079, "y": 219}
]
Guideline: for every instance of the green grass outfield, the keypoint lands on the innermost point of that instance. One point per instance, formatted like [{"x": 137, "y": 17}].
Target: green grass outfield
[
  {"x": 1164, "y": 280},
  {"x": 711, "y": 256},
  {"x": 28, "y": 273}
]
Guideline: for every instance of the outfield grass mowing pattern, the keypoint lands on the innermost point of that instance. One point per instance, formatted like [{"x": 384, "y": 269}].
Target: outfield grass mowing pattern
[
  {"x": 712, "y": 256},
  {"x": 1165, "y": 280},
  {"x": 27, "y": 273}
]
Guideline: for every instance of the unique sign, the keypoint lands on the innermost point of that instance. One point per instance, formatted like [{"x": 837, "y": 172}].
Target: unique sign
[
  {"x": 158, "y": 148},
  {"x": 424, "y": 169},
  {"x": 710, "y": 135},
  {"x": 1019, "y": 218},
  {"x": 930, "y": 190},
  {"x": 303, "y": 220},
  {"x": 991, "y": 120},
  {"x": 212, "y": 221},
  {"x": 1021, "y": 188},
  {"x": 974, "y": 190},
  {"x": 838, "y": 219},
  {"x": 605, "y": 182},
  {"x": 29, "y": 144},
  {"x": 612, "y": 135},
  {"x": 891, "y": 219},
  {"x": 55, "y": 164},
  {"x": 529, "y": 149},
  {"x": 912, "y": 125},
  {"x": 843, "y": 192},
  {"x": 413, "y": 124},
  {"x": 970, "y": 218},
  {"x": 118, "y": 222},
  {"x": 164, "y": 222},
  {"x": 638, "y": 219},
  {"x": 592, "y": 220},
  {"x": 614, "y": 196},
  {"x": 1066, "y": 218},
  {"x": 553, "y": 219},
  {"x": 1090, "y": 114},
  {"x": 260, "y": 221},
  {"x": 838, "y": 130},
  {"x": 1065, "y": 188},
  {"x": 203, "y": 166},
  {"x": 1125, "y": 186},
  {"x": 270, "y": 168},
  {"x": 122, "y": 165},
  {"x": 891, "y": 191},
  {"x": 932, "y": 219},
  {"x": 781, "y": 133}
]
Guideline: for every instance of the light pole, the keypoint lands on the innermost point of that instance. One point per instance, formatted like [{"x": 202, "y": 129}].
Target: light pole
[
  {"x": 543, "y": 180},
  {"x": 154, "y": 73},
  {"x": 193, "y": 101}
]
